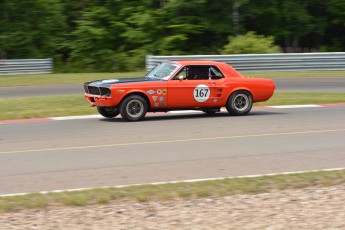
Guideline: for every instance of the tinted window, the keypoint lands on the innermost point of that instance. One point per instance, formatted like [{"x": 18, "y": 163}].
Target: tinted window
[{"x": 199, "y": 72}]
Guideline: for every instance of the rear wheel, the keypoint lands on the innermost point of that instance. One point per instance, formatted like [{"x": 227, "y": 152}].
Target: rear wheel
[
  {"x": 133, "y": 108},
  {"x": 239, "y": 103},
  {"x": 108, "y": 112}
]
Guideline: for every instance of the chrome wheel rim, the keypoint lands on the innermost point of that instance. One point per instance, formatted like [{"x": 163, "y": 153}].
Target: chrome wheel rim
[
  {"x": 241, "y": 102},
  {"x": 135, "y": 108}
]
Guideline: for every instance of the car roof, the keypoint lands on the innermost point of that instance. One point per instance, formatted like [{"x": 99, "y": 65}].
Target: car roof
[
  {"x": 199, "y": 62},
  {"x": 226, "y": 68}
]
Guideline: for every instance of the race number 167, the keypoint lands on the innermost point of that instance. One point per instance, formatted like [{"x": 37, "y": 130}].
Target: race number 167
[{"x": 201, "y": 92}]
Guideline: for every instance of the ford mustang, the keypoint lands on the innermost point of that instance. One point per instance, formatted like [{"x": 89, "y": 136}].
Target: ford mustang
[{"x": 179, "y": 85}]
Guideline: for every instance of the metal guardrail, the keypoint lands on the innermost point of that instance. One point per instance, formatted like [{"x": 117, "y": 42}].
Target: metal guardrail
[
  {"x": 266, "y": 62},
  {"x": 25, "y": 66}
]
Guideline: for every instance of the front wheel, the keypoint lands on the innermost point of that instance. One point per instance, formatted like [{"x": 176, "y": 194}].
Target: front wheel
[
  {"x": 133, "y": 108},
  {"x": 108, "y": 112},
  {"x": 239, "y": 103}
]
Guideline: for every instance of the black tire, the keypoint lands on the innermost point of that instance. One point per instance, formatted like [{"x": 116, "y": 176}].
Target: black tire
[
  {"x": 133, "y": 108},
  {"x": 239, "y": 103},
  {"x": 108, "y": 112}
]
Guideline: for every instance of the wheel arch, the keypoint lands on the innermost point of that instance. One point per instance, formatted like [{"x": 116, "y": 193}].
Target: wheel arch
[
  {"x": 140, "y": 94},
  {"x": 243, "y": 106},
  {"x": 240, "y": 89}
]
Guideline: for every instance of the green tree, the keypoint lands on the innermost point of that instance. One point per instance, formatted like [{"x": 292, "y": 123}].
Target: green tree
[
  {"x": 141, "y": 33},
  {"x": 294, "y": 23},
  {"x": 250, "y": 43},
  {"x": 96, "y": 39},
  {"x": 31, "y": 28},
  {"x": 115, "y": 35},
  {"x": 334, "y": 39}
]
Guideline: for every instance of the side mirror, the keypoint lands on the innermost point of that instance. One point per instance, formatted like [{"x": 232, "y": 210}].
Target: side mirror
[{"x": 181, "y": 78}]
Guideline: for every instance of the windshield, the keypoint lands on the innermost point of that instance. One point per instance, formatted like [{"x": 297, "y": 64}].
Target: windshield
[{"x": 163, "y": 71}]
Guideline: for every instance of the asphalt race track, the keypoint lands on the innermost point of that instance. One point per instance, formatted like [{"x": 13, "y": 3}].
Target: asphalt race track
[
  {"x": 282, "y": 84},
  {"x": 49, "y": 155}
]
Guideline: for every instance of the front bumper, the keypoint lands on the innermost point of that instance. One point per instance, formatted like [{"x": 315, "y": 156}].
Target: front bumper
[{"x": 96, "y": 100}]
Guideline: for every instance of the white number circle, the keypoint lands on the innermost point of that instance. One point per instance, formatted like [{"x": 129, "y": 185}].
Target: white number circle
[{"x": 201, "y": 93}]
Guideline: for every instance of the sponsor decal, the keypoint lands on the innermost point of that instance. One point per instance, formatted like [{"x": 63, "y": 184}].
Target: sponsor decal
[
  {"x": 151, "y": 91},
  {"x": 164, "y": 104},
  {"x": 164, "y": 91},
  {"x": 156, "y": 104},
  {"x": 154, "y": 98},
  {"x": 161, "y": 98},
  {"x": 201, "y": 93},
  {"x": 159, "y": 91}
]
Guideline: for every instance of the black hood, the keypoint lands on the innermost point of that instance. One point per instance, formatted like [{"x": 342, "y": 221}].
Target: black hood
[{"x": 109, "y": 82}]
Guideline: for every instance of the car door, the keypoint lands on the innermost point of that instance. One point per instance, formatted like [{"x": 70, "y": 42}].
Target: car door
[{"x": 192, "y": 88}]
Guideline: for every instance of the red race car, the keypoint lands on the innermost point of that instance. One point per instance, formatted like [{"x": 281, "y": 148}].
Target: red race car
[{"x": 179, "y": 85}]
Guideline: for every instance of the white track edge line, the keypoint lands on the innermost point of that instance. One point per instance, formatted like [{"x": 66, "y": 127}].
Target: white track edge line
[
  {"x": 183, "y": 112},
  {"x": 64, "y": 118},
  {"x": 75, "y": 117},
  {"x": 174, "y": 182},
  {"x": 295, "y": 106}
]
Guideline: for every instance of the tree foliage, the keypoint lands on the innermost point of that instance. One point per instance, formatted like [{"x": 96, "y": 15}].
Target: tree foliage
[
  {"x": 250, "y": 43},
  {"x": 115, "y": 35}
]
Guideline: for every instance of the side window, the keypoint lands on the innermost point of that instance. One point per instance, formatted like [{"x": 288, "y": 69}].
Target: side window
[
  {"x": 199, "y": 72},
  {"x": 182, "y": 73},
  {"x": 215, "y": 73}
]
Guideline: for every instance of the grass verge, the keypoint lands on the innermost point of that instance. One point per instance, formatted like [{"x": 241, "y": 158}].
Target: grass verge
[
  {"x": 78, "y": 78},
  {"x": 300, "y": 98},
  {"x": 49, "y": 106},
  {"x": 73, "y": 105},
  {"x": 143, "y": 193},
  {"x": 60, "y": 78},
  {"x": 296, "y": 74}
]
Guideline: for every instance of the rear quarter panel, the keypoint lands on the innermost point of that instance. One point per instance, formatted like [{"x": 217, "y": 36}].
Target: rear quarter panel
[{"x": 261, "y": 89}]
